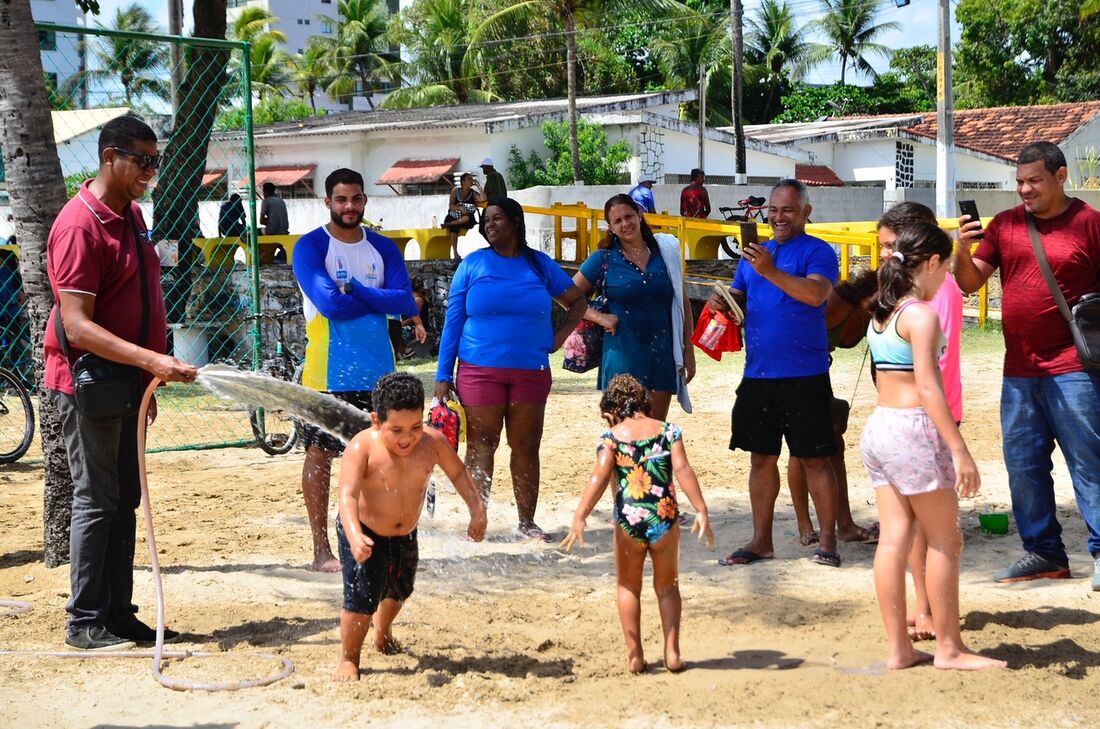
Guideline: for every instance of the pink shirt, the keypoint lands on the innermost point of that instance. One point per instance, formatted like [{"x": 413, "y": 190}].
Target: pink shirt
[
  {"x": 93, "y": 250},
  {"x": 948, "y": 305}
]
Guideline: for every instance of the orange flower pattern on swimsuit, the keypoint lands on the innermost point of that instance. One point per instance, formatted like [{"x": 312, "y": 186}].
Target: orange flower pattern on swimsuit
[{"x": 638, "y": 483}]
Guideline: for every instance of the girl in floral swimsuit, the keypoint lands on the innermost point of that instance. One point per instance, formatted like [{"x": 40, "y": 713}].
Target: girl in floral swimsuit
[{"x": 641, "y": 455}]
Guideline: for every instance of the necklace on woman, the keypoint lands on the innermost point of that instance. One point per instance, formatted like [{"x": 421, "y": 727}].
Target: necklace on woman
[{"x": 638, "y": 255}]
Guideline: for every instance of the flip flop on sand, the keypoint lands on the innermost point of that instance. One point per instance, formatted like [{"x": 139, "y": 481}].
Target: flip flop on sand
[
  {"x": 864, "y": 535},
  {"x": 809, "y": 539},
  {"x": 742, "y": 556},
  {"x": 825, "y": 557}
]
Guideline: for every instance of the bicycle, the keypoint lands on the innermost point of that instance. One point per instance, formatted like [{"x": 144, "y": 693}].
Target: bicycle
[
  {"x": 276, "y": 431},
  {"x": 16, "y": 417},
  {"x": 751, "y": 208}
]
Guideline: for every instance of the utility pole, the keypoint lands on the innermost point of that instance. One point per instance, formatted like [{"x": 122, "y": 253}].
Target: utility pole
[
  {"x": 702, "y": 113},
  {"x": 175, "y": 51},
  {"x": 945, "y": 118},
  {"x": 736, "y": 28}
]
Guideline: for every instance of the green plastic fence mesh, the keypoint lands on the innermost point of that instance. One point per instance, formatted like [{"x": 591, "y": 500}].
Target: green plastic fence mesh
[{"x": 210, "y": 271}]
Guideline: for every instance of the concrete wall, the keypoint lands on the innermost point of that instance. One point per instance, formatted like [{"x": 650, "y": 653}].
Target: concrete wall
[{"x": 868, "y": 161}]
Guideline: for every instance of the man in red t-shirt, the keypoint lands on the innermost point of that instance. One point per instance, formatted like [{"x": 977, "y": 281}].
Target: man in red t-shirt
[
  {"x": 1047, "y": 395},
  {"x": 96, "y": 254},
  {"x": 694, "y": 199}
]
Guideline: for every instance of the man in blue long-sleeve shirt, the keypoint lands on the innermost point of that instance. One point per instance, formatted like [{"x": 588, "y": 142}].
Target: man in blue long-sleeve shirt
[
  {"x": 643, "y": 194},
  {"x": 351, "y": 279}
]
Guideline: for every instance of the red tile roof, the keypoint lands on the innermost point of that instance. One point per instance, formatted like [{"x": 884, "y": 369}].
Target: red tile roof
[
  {"x": 279, "y": 176},
  {"x": 1003, "y": 131},
  {"x": 817, "y": 176},
  {"x": 417, "y": 171}
]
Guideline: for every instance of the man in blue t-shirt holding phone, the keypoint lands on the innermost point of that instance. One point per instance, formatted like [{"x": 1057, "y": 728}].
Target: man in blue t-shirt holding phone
[{"x": 785, "y": 393}]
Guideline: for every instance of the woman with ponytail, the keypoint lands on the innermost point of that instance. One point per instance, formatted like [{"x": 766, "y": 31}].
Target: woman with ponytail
[
  {"x": 649, "y": 319},
  {"x": 918, "y": 461}
]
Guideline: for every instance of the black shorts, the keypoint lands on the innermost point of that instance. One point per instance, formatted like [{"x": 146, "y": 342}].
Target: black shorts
[
  {"x": 389, "y": 572},
  {"x": 798, "y": 408},
  {"x": 314, "y": 436}
]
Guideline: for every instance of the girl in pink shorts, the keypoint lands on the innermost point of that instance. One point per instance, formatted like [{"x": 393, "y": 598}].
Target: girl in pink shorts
[{"x": 913, "y": 449}]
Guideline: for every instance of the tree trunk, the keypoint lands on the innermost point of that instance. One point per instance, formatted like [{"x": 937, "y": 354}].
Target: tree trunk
[
  {"x": 176, "y": 197},
  {"x": 37, "y": 192},
  {"x": 571, "y": 78},
  {"x": 736, "y": 91}
]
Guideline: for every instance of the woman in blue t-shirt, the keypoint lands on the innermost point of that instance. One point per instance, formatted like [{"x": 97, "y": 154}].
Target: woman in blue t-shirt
[
  {"x": 498, "y": 328},
  {"x": 649, "y": 320}
]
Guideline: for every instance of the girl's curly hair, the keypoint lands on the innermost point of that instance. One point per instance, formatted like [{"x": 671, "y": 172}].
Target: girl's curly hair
[{"x": 624, "y": 397}]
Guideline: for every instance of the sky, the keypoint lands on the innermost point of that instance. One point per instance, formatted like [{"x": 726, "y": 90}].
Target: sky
[{"x": 917, "y": 20}]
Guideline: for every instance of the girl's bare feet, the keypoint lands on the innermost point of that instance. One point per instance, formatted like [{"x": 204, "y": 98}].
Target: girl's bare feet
[
  {"x": 808, "y": 538},
  {"x": 346, "y": 670},
  {"x": 907, "y": 660},
  {"x": 966, "y": 660},
  {"x": 674, "y": 663},
  {"x": 636, "y": 664},
  {"x": 921, "y": 628},
  {"x": 386, "y": 645}
]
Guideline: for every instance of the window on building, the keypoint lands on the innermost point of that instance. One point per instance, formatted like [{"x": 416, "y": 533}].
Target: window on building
[
  {"x": 326, "y": 27},
  {"x": 47, "y": 40},
  {"x": 307, "y": 21}
]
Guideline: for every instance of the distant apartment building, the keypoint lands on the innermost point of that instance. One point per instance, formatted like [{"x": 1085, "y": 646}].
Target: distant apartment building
[
  {"x": 61, "y": 58},
  {"x": 300, "y": 19}
]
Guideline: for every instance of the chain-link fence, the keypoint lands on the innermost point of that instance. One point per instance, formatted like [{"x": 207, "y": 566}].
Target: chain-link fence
[{"x": 201, "y": 209}]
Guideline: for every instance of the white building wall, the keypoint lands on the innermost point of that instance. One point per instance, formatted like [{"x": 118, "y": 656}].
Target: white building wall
[
  {"x": 968, "y": 169},
  {"x": 79, "y": 154},
  {"x": 64, "y": 61},
  {"x": 868, "y": 161},
  {"x": 1078, "y": 148}
]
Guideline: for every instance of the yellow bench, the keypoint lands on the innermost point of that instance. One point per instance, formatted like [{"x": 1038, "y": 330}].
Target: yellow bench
[
  {"x": 435, "y": 243},
  {"x": 218, "y": 252}
]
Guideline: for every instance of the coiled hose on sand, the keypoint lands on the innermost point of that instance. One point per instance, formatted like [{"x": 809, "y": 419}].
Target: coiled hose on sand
[{"x": 158, "y": 653}]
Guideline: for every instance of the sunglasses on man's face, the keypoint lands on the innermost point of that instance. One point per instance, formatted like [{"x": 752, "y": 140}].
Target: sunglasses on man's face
[{"x": 144, "y": 161}]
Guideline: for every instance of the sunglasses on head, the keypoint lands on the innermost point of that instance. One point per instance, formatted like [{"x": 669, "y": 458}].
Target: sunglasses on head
[{"x": 144, "y": 161}]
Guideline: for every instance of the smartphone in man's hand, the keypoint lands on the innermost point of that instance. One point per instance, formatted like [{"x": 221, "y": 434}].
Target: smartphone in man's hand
[
  {"x": 969, "y": 207},
  {"x": 748, "y": 234}
]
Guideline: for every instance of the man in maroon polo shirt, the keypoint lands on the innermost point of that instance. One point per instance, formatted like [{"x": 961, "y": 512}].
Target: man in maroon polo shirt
[
  {"x": 93, "y": 258},
  {"x": 1047, "y": 395}
]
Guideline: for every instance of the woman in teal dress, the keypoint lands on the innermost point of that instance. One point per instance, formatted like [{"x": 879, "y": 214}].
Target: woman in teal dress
[{"x": 648, "y": 323}]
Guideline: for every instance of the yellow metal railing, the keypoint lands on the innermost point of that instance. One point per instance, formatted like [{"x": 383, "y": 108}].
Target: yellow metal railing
[{"x": 699, "y": 239}]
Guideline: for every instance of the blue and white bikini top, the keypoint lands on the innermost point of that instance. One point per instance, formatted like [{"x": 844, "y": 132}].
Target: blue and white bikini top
[{"x": 889, "y": 351}]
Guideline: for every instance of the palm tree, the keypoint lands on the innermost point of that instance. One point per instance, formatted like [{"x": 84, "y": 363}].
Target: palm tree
[
  {"x": 694, "y": 40},
  {"x": 255, "y": 22},
  {"x": 270, "y": 67},
  {"x": 37, "y": 192},
  {"x": 777, "y": 50},
  {"x": 310, "y": 70},
  {"x": 851, "y": 33},
  {"x": 573, "y": 14},
  {"x": 359, "y": 54},
  {"x": 270, "y": 63},
  {"x": 442, "y": 69},
  {"x": 139, "y": 65}
]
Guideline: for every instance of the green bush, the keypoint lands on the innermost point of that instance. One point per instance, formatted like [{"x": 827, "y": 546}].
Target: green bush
[
  {"x": 600, "y": 164},
  {"x": 270, "y": 110}
]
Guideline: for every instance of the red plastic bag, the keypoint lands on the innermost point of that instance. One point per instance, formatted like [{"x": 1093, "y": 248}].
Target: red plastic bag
[
  {"x": 449, "y": 419},
  {"x": 715, "y": 333}
]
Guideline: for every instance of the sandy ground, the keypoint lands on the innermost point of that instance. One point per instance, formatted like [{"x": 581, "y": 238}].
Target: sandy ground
[{"x": 508, "y": 633}]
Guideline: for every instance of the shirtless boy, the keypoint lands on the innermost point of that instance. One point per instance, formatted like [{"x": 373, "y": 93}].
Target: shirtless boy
[{"x": 383, "y": 479}]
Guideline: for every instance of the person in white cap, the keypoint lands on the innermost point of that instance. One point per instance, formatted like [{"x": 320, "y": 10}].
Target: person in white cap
[
  {"x": 494, "y": 181},
  {"x": 643, "y": 194}
]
